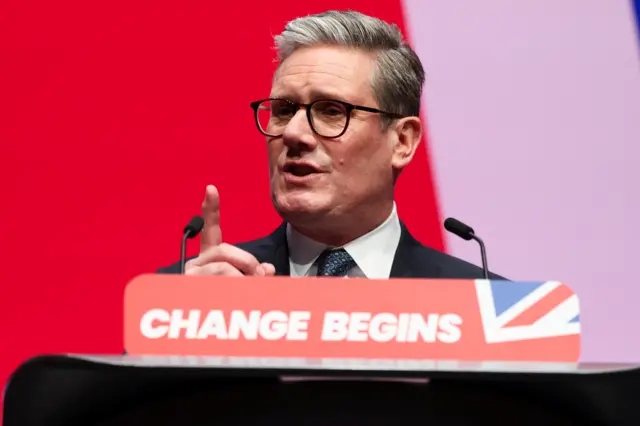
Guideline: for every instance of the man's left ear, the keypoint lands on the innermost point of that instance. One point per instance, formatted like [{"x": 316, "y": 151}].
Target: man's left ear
[{"x": 408, "y": 136}]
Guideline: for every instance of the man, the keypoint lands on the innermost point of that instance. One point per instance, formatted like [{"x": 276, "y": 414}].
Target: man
[{"x": 341, "y": 123}]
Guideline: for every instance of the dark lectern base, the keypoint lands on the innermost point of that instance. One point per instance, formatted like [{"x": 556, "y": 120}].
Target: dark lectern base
[
  {"x": 156, "y": 391},
  {"x": 350, "y": 403}
]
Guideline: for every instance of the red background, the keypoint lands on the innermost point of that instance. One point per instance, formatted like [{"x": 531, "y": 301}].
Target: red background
[{"x": 113, "y": 118}]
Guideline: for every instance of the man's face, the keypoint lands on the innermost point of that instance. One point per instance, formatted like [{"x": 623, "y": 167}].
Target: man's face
[{"x": 353, "y": 170}]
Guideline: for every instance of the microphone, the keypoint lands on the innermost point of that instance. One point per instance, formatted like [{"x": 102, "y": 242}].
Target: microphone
[
  {"x": 192, "y": 229},
  {"x": 466, "y": 232}
]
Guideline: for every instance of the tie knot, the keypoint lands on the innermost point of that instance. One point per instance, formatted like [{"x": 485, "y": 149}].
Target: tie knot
[{"x": 335, "y": 263}]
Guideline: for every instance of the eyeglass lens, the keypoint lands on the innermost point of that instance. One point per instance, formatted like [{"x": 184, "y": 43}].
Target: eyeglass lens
[{"x": 328, "y": 118}]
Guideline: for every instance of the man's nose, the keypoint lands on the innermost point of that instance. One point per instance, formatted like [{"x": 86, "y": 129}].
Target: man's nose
[{"x": 298, "y": 133}]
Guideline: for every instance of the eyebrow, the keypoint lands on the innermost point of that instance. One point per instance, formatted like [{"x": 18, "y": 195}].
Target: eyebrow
[{"x": 314, "y": 95}]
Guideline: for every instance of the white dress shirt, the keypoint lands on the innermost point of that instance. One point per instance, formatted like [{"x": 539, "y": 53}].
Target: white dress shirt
[{"x": 373, "y": 252}]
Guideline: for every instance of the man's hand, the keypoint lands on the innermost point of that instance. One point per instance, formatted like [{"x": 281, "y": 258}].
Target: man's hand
[{"x": 216, "y": 257}]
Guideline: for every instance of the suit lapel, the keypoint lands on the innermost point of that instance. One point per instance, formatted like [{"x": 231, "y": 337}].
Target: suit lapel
[
  {"x": 274, "y": 250},
  {"x": 411, "y": 260},
  {"x": 281, "y": 259}
]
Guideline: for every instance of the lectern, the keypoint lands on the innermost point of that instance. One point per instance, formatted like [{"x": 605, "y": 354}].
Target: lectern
[{"x": 280, "y": 351}]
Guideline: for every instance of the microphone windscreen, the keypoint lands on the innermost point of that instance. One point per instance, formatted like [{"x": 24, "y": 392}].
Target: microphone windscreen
[
  {"x": 458, "y": 228},
  {"x": 194, "y": 226}
]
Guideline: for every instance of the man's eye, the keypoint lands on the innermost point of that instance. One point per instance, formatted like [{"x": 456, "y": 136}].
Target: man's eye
[
  {"x": 282, "y": 111},
  {"x": 332, "y": 111}
]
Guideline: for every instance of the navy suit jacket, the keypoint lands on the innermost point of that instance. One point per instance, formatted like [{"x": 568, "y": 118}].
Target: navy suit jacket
[{"x": 412, "y": 259}]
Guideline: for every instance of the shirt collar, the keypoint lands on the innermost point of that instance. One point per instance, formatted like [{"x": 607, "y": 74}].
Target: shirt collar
[{"x": 373, "y": 252}]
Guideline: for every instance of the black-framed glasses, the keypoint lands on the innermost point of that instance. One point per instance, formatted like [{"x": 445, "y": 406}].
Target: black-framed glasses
[{"x": 327, "y": 117}]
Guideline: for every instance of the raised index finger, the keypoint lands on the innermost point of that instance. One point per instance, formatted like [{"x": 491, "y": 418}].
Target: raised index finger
[{"x": 211, "y": 233}]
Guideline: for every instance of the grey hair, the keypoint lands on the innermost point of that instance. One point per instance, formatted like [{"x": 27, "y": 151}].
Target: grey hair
[{"x": 398, "y": 76}]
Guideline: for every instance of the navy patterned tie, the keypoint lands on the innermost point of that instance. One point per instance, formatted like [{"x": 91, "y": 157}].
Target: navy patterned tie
[{"x": 335, "y": 263}]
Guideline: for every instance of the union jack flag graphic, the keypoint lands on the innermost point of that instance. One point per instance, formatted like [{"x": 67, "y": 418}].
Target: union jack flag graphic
[{"x": 514, "y": 311}]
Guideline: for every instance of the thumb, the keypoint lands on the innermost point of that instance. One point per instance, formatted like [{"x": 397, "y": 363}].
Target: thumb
[{"x": 269, "y": 269}]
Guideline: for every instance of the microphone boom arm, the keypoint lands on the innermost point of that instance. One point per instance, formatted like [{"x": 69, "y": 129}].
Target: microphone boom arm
[
  {"x": 183, "y": 251},
  {"x": 483, "y": 254}
]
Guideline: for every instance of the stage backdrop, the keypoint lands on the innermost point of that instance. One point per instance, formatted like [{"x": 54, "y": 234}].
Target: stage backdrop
[{"x": 114, "y": 116}]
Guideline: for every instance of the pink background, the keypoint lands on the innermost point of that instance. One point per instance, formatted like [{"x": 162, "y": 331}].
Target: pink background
[{"x": 534, "y": 128}]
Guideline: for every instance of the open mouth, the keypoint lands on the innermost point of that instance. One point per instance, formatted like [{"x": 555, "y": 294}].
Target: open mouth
[{"x": 299, "y": 170}]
